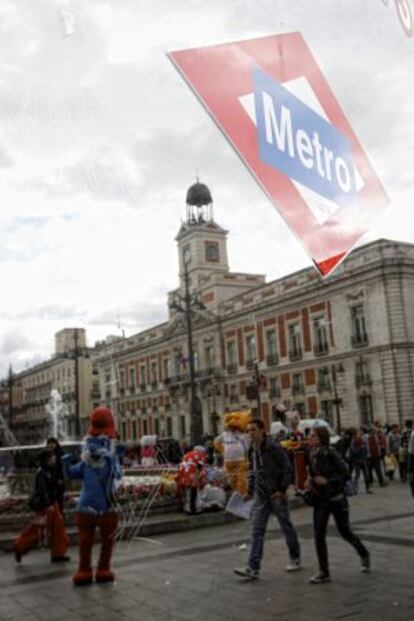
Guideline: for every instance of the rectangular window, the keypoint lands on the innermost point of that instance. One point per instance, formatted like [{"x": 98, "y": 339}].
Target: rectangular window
[
  {"x": 326, "y": 411},
  {"x": 169, "y": 427},
  {"x": 359, "y": 332},
  {"x": 124, "y": 430},
  {"x": 297, "y": 383},
  {"x": 295, "y": 349},
  {"x": 209, "y": 356},
  {"x": 154, "y": 377},
  {"x": 319, "y": 336},
  {"x": 122, "y": 379},
  {"x": 274, "y": 387},
  {"x": 323, "y": 380},
  {"x": 271, "y": 348},
  {"x": 153, "y": 371},
  {"x": 365, "y": 409},
  {"x": 300, "y": 407},
  {"x": 231, "y": 357},
  {"x": 144, "y": 427},
  {"x": 250, "y": 350},
  {"x": 362, "y": 375},
  {"x": 134, "y": 429},
  {"x": 166, "y": 367},
  {"x": 271, "y": 342},
  {"x": 182, "y": 426},
  {"x": 157, "y": 426}
]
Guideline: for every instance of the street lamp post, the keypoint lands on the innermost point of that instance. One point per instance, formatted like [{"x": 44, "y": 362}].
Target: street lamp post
[
  {"x": 258, "y": 382},
  {"x": 186, "y": 305},
  {"x": 76, "y": 354},
  {"x": 337, "y": 401},
  {"x": 10, "y": 395}
]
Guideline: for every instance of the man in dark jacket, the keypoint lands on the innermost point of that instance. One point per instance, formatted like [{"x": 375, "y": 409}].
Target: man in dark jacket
[{"x": 269, "y": 477}]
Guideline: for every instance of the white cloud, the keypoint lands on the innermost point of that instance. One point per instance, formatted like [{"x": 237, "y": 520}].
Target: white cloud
[{"x": 100, "y": 139}]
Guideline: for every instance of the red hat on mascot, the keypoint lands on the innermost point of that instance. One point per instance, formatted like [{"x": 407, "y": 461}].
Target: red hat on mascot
[{"x": 102, "y": 423}]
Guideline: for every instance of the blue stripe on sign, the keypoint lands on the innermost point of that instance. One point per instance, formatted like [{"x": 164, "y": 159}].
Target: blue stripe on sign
[{"x": 302, "y": 144}]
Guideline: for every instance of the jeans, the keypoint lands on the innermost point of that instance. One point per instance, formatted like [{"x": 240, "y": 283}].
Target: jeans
[
  {"x": 374, "y": 463},
  {"x": 262, "y": 509},
  {"x": 340, "y": 510},
  {"x": 359, "y": 467}
]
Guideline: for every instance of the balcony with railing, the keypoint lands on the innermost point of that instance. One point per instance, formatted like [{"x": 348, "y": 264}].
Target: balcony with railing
[
  {"x": 295, "y": 353},
  {"x": 249, "y": 363},
  {"x": 363, "y": 379},
  {"x": 154, "y": 384},
  {"x": 321, "y": 348},
  {"x": 208, "y": 372},
  {"x": 232, "y": 368},
  {"x": 298, "y": 389},
  {"x": 181, "y": 378},
  {"x": 274, "y": 393},
  {"x": 272, "y": 359},
  {"x": 359, "y": 340},
  {"x": 323, "y": 386},
  {"x": 143, "y": 387}
]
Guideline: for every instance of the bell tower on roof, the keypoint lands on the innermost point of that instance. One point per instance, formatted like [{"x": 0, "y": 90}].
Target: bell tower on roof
[{"x": 202, "y": 243}]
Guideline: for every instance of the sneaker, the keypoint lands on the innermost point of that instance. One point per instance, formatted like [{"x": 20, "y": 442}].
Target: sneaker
[
  {"x": 60, "y": 559},
  {"x": 17, "y": 555},
  {"x": 366, "y": 564},
  {"x": 320, "y": 577},
  {"x": 247, "y": 572},
  {"x": 294, "y": 565}
]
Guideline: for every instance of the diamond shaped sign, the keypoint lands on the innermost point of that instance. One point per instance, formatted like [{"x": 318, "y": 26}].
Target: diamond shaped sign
[{"x": 275, "y": 107}]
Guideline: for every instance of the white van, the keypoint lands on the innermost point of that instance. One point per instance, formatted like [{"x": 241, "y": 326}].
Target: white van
[{"x": 306, "y": 424}]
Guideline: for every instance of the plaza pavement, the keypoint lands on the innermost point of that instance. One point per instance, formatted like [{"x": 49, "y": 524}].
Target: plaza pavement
[{"x": 188, "y": 575}]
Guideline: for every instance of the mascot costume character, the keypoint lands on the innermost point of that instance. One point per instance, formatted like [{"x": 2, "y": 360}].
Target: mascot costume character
[
  {"x": 191, "y": 478},
  {"x": 234, "y": 444},
  {"x": 148, "y": 451},
  {"x": 98, "y": 470}
]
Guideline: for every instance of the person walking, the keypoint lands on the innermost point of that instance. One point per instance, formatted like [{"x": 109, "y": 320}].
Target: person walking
[
  {"x": 393, "y": 449},
  {"x": 328, "y": 474},
  {"x": 404, "y": 443},
  {"x": 358, "y": 459},
  {"x": 53, "y": 445},
  {"x": 374, "y": 456},
  {"x": 269, "y": 477},
  {"x": 48, "y": 522}
]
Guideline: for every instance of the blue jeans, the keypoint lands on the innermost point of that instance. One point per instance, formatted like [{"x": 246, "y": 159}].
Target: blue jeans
[{"x": 262, "y": 509}]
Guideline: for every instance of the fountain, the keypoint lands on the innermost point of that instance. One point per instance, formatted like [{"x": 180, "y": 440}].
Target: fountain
[{"x": 58, "y": 415}]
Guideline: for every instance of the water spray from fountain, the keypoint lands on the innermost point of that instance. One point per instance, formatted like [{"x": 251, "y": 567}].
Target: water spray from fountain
[{"x": 58, "y": 415}]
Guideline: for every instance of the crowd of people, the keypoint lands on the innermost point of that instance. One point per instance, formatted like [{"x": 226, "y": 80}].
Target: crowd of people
[
  {"x": 382, "y": 453},
  {"x": 260, "y": 470}
]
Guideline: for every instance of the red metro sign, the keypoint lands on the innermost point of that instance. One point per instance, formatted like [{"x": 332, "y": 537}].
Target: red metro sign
[{"x": 275, "y": 107}]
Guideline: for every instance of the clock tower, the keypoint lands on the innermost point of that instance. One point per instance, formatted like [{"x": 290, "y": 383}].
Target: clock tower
[
  {"x": 202, "y": 253},
  {"x": 202, "y": 243}
]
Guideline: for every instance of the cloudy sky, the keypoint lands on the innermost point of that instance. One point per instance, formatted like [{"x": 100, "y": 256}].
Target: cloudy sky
[{"x": 100, "y": 138}]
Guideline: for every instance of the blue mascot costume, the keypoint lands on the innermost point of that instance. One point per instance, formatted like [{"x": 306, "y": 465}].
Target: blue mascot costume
[{"x": 98, "y": 470}]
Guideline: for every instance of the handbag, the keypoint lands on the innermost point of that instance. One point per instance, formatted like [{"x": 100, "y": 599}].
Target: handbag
[
  {"x": 389, "y": 463},
  {"x": 310, "y": 497},
  {"x": 350, "y": 489}
]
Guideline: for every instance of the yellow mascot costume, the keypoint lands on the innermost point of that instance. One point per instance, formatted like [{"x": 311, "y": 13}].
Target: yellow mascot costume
[{"x": 234, "y": 444}]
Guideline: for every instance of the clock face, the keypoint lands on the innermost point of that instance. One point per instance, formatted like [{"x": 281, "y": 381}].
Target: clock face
[{"x": 212, "y": 252}]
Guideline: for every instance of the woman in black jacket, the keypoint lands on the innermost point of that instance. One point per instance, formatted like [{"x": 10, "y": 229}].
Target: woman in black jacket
[
  {"x": 48, "y": 520},
  {"x": 328, "y": 474}
]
